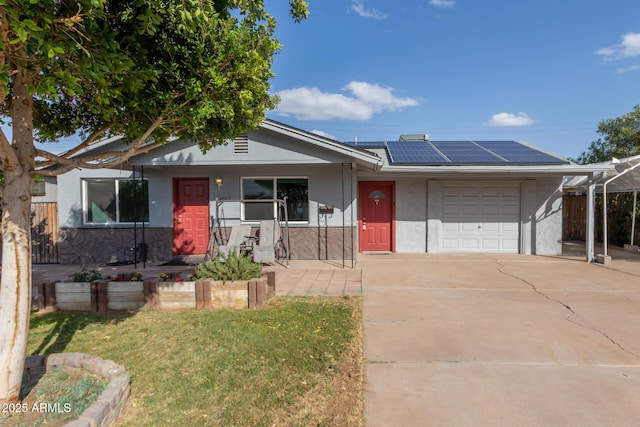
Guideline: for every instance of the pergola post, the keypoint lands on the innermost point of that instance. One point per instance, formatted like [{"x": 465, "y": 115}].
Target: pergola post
[
  {"x": 591, "y": 206},
  {"x": 633, "y": 217}
]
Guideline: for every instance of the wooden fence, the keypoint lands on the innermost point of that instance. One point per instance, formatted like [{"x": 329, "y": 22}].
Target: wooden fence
[
  {"x": 44, "y": 233},
  {"x": 574, "y": 217}
]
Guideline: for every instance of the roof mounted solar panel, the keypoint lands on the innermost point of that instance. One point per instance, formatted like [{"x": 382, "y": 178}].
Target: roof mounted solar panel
[
  {"x": 366, "y": 144},
  {"x": 516, "y": 152},
  {"x": 414, "y": 153},
  {"x": 467, "y": 152}
]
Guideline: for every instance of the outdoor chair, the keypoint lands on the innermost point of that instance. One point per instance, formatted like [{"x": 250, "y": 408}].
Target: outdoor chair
[
  {"x": 265, "y": 249},
  {"x": 237, "y": 239}
]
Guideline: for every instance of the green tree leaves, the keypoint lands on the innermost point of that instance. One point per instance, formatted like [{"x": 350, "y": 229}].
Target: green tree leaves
[
  {"x": 621, "y": 139},
  {"x": 203, "y": 66}
]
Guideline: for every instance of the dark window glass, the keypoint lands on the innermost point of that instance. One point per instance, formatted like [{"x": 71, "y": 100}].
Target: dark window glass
[
  {"x": 131, "y": 203},
  {"x": 295, "y": 189},
  {"x": 258, "y": 189},
  {"x": 101, "y": 201},
  {"x": 297, "y": 192},
  {"x": 134, "y": 200}
]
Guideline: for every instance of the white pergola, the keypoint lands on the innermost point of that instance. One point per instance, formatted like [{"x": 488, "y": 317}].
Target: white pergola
[{"x": 615, "y": 176}]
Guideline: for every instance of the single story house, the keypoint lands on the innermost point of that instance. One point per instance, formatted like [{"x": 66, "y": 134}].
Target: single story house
[{"x": 409, "y": 196}]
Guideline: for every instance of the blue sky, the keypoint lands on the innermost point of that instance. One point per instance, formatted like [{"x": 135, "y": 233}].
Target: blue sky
[{"x": 544, "y": 72}]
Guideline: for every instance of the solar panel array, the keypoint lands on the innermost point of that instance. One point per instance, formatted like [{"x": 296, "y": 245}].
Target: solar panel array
[
  {"x": 462, "y": 153},
  {"x": 466, "y": 152},
  {"x": 413, "y": 152},
  {"x": 520, "y": 153},
  {"x": 366, "y": 144}
]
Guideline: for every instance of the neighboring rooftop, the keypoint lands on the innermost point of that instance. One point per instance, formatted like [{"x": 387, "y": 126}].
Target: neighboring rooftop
[{"x": 419, "y": 150}]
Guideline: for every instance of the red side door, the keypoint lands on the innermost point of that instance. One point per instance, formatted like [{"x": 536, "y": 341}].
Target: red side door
[
  {"x": 190, "y": 216},
  {"x": 376, "y": 200}
]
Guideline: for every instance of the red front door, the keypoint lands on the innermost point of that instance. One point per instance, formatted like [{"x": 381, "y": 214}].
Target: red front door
[
  {"x": 376, "y": 200},
  {"x": 190, "y": 216}
]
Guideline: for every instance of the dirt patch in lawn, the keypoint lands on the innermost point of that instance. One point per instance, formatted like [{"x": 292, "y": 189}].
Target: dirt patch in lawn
[{"x": 53, "y": 399}]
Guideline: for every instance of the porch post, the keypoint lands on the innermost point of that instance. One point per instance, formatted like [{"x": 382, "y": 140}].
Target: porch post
[
  {"x": 591, "y": 206},
  {"x": 633, "y": 216}
]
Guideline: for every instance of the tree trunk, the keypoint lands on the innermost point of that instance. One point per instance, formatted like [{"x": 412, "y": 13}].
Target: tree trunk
[{"x": 15, "y": 287}]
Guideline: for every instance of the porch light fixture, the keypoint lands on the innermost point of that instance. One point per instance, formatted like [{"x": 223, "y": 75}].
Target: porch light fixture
[{"x": 219, "y": 182}]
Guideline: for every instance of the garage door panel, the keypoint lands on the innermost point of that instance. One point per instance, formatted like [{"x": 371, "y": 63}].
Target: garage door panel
[
  {"x": 490, "y": 244},
  {"x": 481, "y": 217},
  {"x": 510, "y": 245},
  {"x": 492, "y": 209},
  {"x": 470, "y": 210},
  {"x": 451, "y": 209},
  {"x": 451, "y": 191},
  {"x": 468, "y": 227},
  {"x": 450, "y": 245},
  {"x": 491, "y": 227},
  {"x": 451, "y": 227},
  {"x": 470, "y": 244},
  {"x": 511, "y": 228},
  {"x": 491, "y": 191}
]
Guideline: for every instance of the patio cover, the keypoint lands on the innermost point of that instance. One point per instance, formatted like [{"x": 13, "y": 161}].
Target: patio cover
[
  {"x": 626, "y": 178},
  {"x": 619, "y": 176}
]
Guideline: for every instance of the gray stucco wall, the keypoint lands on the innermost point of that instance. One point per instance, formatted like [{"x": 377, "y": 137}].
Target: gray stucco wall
[
  {"x": 411, "y": 211},
  {"x": 330, "y": 185}
]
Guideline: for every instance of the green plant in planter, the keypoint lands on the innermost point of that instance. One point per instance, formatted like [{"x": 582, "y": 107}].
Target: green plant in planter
[
  {"x": 85, "y": 275},
  {"x": 232, "y": 266}
]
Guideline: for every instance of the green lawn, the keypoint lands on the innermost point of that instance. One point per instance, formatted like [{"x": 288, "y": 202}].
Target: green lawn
[{"x": 297, "y": 362}]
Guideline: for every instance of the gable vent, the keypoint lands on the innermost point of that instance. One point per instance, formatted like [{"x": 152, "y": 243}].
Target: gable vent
[{"x": 241, "y": 145}]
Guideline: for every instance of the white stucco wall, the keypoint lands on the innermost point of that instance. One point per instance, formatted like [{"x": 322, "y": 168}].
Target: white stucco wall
[
  {"x": 548, "y": 228},
  {"x": 411, "y": 211},
  {"x": 51, "y": 192}
]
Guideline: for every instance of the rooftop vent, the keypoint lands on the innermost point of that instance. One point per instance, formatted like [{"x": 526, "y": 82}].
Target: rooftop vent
[
  {"x": 414, "y": 137},
  {"x": 241, "y": 145}
]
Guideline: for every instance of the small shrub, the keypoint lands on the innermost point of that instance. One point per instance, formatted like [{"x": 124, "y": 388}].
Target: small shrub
[
  {"x": 136, "y": 277},
  {"x": 233, "y": 266},
  {"x": 85, "y": 275}
]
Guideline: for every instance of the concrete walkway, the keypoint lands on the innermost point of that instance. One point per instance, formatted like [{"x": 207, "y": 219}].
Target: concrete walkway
[{"x": 476, "y": 340}]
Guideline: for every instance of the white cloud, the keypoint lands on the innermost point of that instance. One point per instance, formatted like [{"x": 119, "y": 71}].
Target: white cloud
[
  {"x": 358, "y": 7},
  {"x": 507, "y": 119},
  {"x": 627, "y": 69},
  {"x": 443, "y": 3},
  {"x": 322, "y": 133},
  {"x": 363, "y": 101},
  {"x": 628, "y": 48}
]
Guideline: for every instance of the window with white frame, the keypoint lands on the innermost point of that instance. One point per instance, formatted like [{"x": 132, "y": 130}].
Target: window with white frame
[
  {"x": 109, "y": 200},
  {"x": 295, "y": 189}
]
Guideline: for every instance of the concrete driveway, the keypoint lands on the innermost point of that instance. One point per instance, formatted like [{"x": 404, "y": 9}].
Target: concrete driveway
[{"x": 457, "y": 340}]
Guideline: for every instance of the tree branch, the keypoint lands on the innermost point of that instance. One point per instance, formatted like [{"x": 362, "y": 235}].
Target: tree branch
[
  {"x": 89, "y": 161},
  {"x": 87, "y": 142},
  {"x": 5, "y": 150}
]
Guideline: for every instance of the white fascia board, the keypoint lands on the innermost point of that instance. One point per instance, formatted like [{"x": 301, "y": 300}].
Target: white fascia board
[
  {"x": 571, "y": 169},
  {"x": 369, "y": 159}
]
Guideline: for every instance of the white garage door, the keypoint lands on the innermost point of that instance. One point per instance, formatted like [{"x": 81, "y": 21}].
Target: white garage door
[{"x": 481, "y": 217}]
